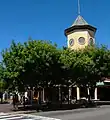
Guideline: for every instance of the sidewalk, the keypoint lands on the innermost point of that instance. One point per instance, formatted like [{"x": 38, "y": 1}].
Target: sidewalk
[
  {"x": 8, "y": 108},
  {"x": 103, "y": 102},
  {"x": 18, "y": 112}
]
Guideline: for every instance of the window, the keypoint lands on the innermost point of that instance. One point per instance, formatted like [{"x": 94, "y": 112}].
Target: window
[
  {"x": 81, "y": 40},
  {"x": 91, "y": 41},
  {"x": 71, "y": 42}
]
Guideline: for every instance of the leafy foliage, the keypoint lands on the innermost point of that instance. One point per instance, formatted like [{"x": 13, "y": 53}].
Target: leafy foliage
[
  {"x": 32, "y": 64},
  {"x": 41, "y": 64},
  {"x": 2, "y": 81}
]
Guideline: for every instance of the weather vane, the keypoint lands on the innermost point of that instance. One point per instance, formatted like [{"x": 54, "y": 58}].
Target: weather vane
[{"x": 79, "y": 7}]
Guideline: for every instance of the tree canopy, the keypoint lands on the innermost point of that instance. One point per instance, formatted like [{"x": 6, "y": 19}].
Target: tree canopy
[{"x": 38, "y": 63}]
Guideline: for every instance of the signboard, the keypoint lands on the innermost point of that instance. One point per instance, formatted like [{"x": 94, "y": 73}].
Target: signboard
[{"x": 100, "y": 84}]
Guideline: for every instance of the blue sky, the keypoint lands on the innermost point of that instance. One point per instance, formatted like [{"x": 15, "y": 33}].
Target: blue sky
[{"x": 47, "y": 19}]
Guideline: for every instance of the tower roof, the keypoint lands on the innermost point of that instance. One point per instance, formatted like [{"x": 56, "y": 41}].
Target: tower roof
[
  {"x": 80, "y": 24},
  {"x": 79, "y": 21}
]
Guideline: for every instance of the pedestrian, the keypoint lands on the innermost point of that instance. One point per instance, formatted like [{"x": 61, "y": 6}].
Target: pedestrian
[
  {"x": 15, "y": 101},
  {"x": 1, "y": 96},
  {"x": 24, "y": 101}
]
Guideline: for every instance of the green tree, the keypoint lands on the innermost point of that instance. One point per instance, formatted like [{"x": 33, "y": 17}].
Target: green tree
[
  {"x": 33, "y": 63},
  {"x": 98, "y": 64},
  {"x": 87, "y": 66},
  {"x": 2, "y": 80}
]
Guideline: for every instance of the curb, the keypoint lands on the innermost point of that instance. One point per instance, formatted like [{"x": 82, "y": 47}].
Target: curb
[
  {"x": 67, "y": 111},
  {"x": 20, "y": 112},
  {"x": 52, "y": 112}
]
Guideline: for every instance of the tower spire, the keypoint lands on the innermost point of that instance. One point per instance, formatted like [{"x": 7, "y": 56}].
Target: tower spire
[{"x": 79, "y": 10}]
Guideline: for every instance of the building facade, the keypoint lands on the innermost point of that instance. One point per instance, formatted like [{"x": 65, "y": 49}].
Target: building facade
[{"x": 80, "y": 34}]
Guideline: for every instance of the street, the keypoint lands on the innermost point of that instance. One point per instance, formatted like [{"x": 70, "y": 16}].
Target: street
[
  {"x": 5, "y": 108},
  {"x": 102, "y": 113}
]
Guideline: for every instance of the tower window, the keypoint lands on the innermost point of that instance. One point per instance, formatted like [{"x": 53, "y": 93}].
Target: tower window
[
  {"x": 81, "y": 40},
  {"x": 91, "y": 41},
  {"x": 71, "y": 42}
]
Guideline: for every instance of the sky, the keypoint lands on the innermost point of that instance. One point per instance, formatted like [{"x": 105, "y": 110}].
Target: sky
[{"x": 47, "y": 20}]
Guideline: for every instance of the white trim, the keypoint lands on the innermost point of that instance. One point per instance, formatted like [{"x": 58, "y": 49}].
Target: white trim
[
  {"x": 4, "y": 116},
  {"x": 107, "y": 81}
]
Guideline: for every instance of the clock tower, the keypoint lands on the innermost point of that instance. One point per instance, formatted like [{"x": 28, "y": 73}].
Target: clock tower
[{"x": 80, "y": 34}]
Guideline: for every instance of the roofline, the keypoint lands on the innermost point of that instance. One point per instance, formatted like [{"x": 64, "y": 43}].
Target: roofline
[
  {"x": 78, "y": 19},
  {"x": 76, "y": 27}
]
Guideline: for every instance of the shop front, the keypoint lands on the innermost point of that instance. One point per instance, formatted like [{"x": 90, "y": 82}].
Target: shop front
[{"x": 103, "y": 91}]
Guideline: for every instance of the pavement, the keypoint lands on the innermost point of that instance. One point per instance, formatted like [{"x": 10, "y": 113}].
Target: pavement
[
  {"x": 102, "y": 113},
  {"x": 6, "y": 113},
  {"x": 8, "y": 108},
  {"x": 7, "y": 116},
  {"x": 99, "y": 113},
  {"x": 5, "y": 108}
]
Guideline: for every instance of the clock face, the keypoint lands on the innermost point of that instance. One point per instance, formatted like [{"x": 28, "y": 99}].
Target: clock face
[
  {"x": 81, "y": 40},
  {"x": 91, "y": 41},
  {"x": 71, "y": 42}
]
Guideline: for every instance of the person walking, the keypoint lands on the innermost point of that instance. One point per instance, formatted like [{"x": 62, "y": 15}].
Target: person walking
[
  {"x": 15, "y": 101},
  {"x": 1, "y": 96}
]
